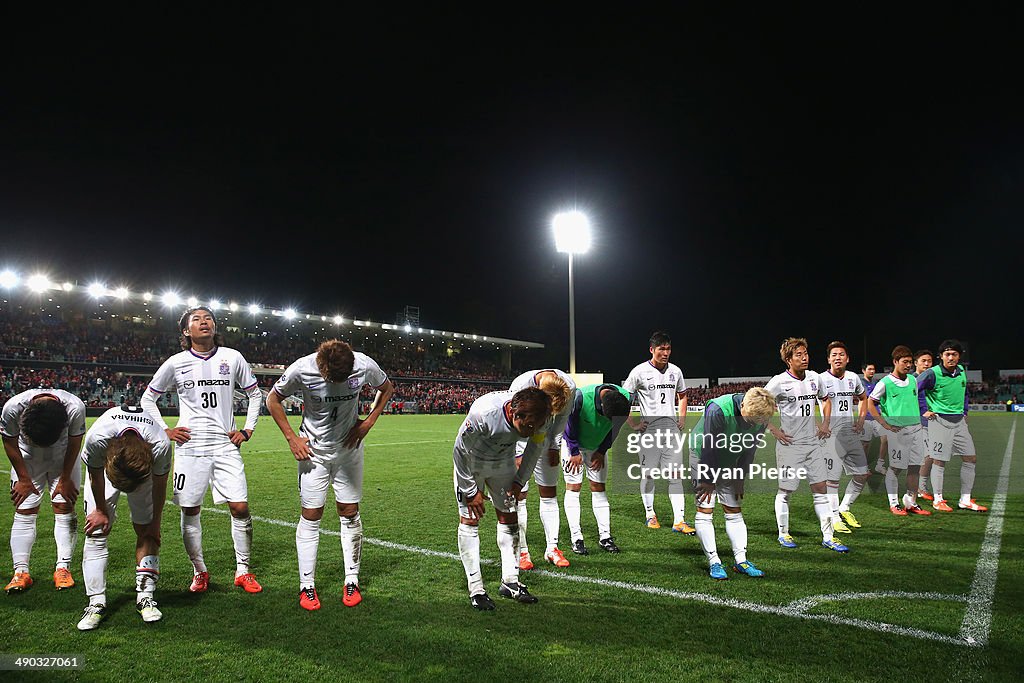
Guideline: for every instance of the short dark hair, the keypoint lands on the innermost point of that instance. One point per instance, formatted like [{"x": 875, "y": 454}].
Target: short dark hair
[
  {"x": 951, "y": 344},
  {"x": 186, "y": 340},
  {"x": 532, "y": 400},
  {"x": 865, "y": 366},
  {"x": 335, "y": 360},
  {"x": 923, "y": 352},
  {"x": 613, "y": 403},
  {"x": 902, "y": 351},
  {"x": 660, "y": 338},
  {"x": 836, "y": 345},
  {"x": 44, "y": 421}
]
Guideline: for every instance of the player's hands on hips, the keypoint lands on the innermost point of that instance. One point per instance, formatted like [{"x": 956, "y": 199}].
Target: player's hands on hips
[
  {"x": 22, "y": 489},
  {"x": 781, "y": 436},
  {"x": 98, "y": 523},
  {"x": 299, "y": 446},
  {"x": 238, "y": 437},
  {"x": 888, "y": 427},
  {"x": 596, "y": 460},
  {"x": 66, "y": 489},
  {"x": 824, "y": 430},
  {"x": 858, "y": 427},
  {"x": 574, "y": 465},
  {"x": 930, "y": 415},
  {"x": 475, "y": 504},
  {"x": 705, "y": 490},
  {"x": 179, "y": 435},
  {"x": 358, "y": 432}
]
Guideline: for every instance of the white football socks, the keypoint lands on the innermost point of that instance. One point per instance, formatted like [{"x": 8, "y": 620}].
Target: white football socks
[
  {"x": 782, "y": 512},
  {"x": 647, "y": 495},
  {"x": 736, "y": 528},
  {"x": 677, "y": 497},
  {"x": 572, "y": 514},
  {"x": 823, "y": 508},
  {"x": 23, "y": 537},
  {"x": 853, "y": 489},
  {"x": 192, "y": 536},
  {"x": 938, "y": 475},
  {"x": 702, "y": 522},
  {"x": 508, "y": 537},
  {"x": 65, "y": 533},
  {"x": 352, "y": 546},
  {"x": 307, "y": 544},
  {"x": 147, "y": 573},
  {"x": 522, "y": 515},
  {"x": 549, "y": 519},
  {"x": 892, "y": 487},
  {"x": 602, "y": 513},
  {"x": 967, "y": 471},
  {"x": 94, "y": 568},
  {"x": 241, "y": 536},
  {"x": 469, "y": 551}
]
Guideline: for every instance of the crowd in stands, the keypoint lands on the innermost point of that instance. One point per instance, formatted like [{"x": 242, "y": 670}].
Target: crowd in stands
[
  {"x": 98, "y": 387},
  {"x": 31, "y": 335},
  {"x": 699, "y": 396}
]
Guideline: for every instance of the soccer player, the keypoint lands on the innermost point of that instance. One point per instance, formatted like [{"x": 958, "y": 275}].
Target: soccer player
[
  {"x": 871, "y": 427},
  {"x": 126, "y": 452},
  {"x": 843, "y": 449},
  {"x": 942, "y": 394},
  {"x": 725, "y": 439},
  {"x": 923, "y": 360},
  {"x": 559, "y": 387},
  {"x": 207, "y": 452},
  {"x": 589, "y": 433},
  {"x": 484, "y": 458},
  {"x": 329, "y": 451},
  {"x": 659, "y": 388},
  {"x": 42, "y": 431},
  {"x": 896, "y": 395},
  {"x": 799, "y": 448}
]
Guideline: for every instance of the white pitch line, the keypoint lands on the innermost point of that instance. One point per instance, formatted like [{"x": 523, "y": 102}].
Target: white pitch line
[
  {"x": 408, "y": 443},
  {"x": 793, "y": 610},
  {"x": 977, "y": 622}
]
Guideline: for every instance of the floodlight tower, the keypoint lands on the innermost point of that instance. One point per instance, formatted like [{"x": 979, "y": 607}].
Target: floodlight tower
[{"x": 572, "y": 236}]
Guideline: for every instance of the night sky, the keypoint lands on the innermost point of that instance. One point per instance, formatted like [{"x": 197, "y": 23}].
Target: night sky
[{"x": 749, "y": 175}]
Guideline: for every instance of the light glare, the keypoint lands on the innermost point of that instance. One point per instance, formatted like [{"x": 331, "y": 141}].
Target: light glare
[
  {"x": 254, "y": 309},
  {"x": 97, "y": 290},
  {"x": 289, "y": 313},
  {"x": 572, "y": 232},
  {"x": 121, "y": 293},
  {"x": 38, "y": 283},
  {"x": 171, "y": 299}
]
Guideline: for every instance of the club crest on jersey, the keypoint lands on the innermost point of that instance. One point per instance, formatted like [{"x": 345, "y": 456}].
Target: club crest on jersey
[
  {"x": 814, "y": 387},
  {"x": 225, "y": 369},
  {"x": 354, "y": 382},
  {"x": 849, "y": 383}
]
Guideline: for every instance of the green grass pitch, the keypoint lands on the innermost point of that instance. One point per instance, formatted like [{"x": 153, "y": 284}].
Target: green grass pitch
[{"x": 649, "y": 613}]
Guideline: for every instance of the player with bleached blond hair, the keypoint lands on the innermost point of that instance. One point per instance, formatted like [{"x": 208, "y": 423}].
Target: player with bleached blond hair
[
  {"x": 125, "y": 451},
  {"x": 726, "y": 437},
  {"x": 799, "y": 448},
  {"x": 329, "y": 452},
  {"x": 559, "y": 387}
]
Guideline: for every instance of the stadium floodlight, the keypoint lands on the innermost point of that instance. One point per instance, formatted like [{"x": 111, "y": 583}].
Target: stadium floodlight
[
  {"x": 97, "y": 290},
  {"x": 147, "y": 296},
  {"x": 121, "y": 293},
  {"x": 408, "y": 328},
  {"x": 171, "y": 299},
  {"x": 9, "y": 279},
  {"x": 338, "y": 320},
  {"x": 192, "y": 302},
  {"x": 38, "y": 283},
  {"x": 254, "y": 309},
  {"x": 67, "y": 286},
  {"x": 289, "y": 314},
  {"x": 214, "y": 304},
  {"x": 572, "y": 236},
  {"x": 323, "y": 318},
  {"x": 232, "y": 307}
]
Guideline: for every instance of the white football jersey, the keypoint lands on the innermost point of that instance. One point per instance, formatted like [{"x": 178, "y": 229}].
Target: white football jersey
[
  {"x": 114, "y": 423},
  {"x": 329, "y": 409},
  {"x": 656, "y": 391},
  {"x": 206, "y": 388},
  {"x": 15, "y": 406},
  {"x": 556, "y": 423},
  {"x": 796, "y": 399},
  {"x": 842, "y": 390},
  {"x": 486, "y": 434}
]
